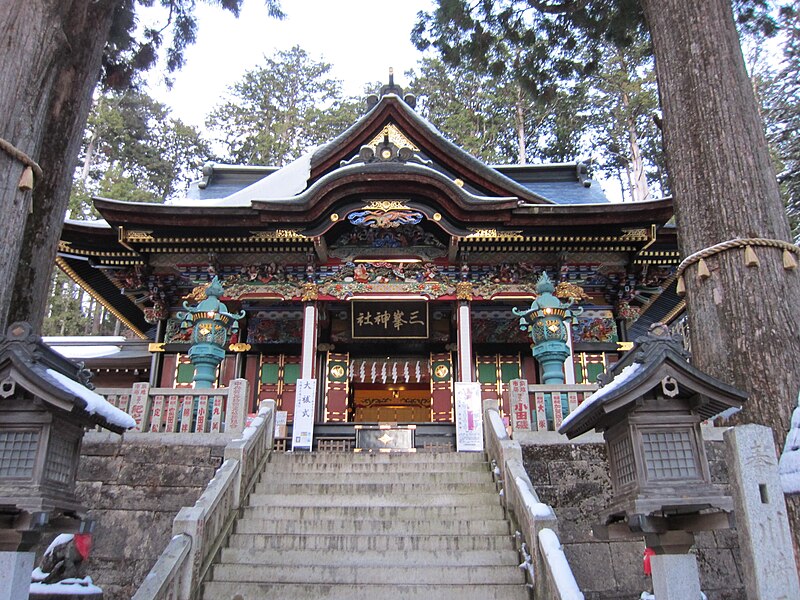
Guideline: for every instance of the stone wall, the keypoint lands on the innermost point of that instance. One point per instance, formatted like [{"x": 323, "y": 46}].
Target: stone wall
[
  {"x": 133, "y": 489},
  {"x": 573, "y": 479}
]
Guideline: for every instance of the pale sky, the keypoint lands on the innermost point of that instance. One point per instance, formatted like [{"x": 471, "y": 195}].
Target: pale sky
[{"x": 361, "y": 39}]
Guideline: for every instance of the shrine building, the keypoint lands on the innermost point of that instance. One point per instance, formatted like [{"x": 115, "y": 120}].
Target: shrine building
[{"x": 384, "y": 265}]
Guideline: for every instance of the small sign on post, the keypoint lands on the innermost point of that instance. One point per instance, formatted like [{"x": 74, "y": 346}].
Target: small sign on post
[
  {"x": 140, "y": 405},
  {"x": 303, "y": 429},
  {"x": 469, "y": 417},
  {"x": 519, "y": 400},
  {"x": 236, "y": 410},
  {"x": 280, "y": 423}
]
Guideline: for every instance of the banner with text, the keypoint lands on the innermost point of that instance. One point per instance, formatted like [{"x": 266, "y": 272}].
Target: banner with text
[
  {"x": 303, "y": 430},
  {"x": 389, "y": 319},
  {"x": 469, "y": 417}
]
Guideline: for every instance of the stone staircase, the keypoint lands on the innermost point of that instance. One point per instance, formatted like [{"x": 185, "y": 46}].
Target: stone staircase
[{"x": 348, "y": 526}]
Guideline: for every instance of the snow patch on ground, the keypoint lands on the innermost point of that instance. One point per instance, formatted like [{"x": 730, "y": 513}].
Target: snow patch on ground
[
  {"x": 67, "y": 587},
  {"x": 95, "y": 403}
]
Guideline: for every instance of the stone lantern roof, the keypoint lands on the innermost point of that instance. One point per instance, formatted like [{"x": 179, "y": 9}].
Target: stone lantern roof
[
  {"x": 658, "y": 362},
  {"x": 59, "y": 383}
]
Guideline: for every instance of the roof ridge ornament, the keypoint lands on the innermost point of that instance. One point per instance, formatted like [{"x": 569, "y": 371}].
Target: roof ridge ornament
[{"x": 391, "y": 88}]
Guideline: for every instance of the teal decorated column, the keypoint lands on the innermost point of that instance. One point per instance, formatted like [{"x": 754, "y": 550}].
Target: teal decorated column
[
  {"x": 546, "y": 321},
  {"x": 211, "y": 324}
]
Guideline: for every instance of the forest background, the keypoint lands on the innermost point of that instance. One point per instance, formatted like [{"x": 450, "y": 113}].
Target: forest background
[{"x": 520, "y": 102}]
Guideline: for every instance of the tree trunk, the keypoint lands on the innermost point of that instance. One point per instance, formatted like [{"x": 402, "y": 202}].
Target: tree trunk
[
  {"x": 52, "y": 63},
  {"x": 519, "y": 119},
  {"x": 30, "y": 38},
  {"x": 743, "y": 320}
]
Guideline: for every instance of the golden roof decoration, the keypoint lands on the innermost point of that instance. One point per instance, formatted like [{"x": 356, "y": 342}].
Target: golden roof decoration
[
  {"x": 570, "y": 291},
  {"x": 197, "y": 294},
  {"x": 395, "y": 136},
  {"x": 277, "y": 235},
  {"x": 639, "y": 234},
  {"x": 493, "y": 233},
  {"x": 385, "y": 205},
  {"x": 139, "y": 236}
]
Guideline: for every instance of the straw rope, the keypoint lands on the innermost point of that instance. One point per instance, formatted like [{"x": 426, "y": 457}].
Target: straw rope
[
  {"x": 18, "y": 154},
  {"x": 730, "y": 244}
]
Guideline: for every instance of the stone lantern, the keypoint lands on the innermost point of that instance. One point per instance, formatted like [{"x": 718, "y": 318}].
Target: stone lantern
[
  {"x": 45, "y": 407},
  {"x": 546, "y": 322},
  {"x": 211, "y": 324},
  {"x": 649, "y": 411}
]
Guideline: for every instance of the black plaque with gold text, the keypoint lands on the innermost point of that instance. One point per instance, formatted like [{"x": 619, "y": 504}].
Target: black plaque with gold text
[{"x": 389, "y": 319}]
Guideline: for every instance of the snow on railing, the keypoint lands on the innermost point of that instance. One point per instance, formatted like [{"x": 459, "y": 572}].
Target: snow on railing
[
  {"x": 179, "y": 571},
  {"x": 553, "y": 579}
]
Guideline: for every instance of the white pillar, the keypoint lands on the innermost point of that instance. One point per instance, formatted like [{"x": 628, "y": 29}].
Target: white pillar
[
  {"x": 675, "y": 576},
  {"x": 309, "y": 352},
  {"x": 15, "y": 568},
  {"x": 569, "y": 367},
  {"x": 464, "y": 324}
]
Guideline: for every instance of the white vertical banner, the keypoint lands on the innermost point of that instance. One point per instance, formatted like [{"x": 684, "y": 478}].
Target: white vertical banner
[
  {"x": 303, "y": 427},
  {"x": 469, "y": 417}
]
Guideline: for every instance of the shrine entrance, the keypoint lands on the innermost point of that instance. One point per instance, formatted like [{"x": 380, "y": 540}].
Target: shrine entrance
[{"x": 394, "y": 403}]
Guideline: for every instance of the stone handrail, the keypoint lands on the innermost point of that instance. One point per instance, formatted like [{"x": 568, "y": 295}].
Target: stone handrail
[
  {"x": 183, "y": 410},
  {"x": 179, "y": 571},
  {"x": 537, "y": 523},
  {"x": 163, "y": 580}
]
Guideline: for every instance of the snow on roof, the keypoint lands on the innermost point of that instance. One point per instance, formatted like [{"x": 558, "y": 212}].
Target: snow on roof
[
  {"x": 99, "y": 223},
  {"x": 283, "y": 183},
  {"x": 789, "y": 463},
  {"x": 622, "y": 377},
  {"x": 77, "y": 347},
  {"x": 95, "y": 403}
]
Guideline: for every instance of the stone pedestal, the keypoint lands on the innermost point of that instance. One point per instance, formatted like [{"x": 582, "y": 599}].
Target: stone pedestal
[
  {"x": 675, "y": 577},
  {"x": 765, "y": 541},
  {"x": 15, "y": 574}
]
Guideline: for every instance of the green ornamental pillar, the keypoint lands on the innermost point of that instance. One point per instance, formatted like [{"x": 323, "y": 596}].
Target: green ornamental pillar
[
  {"x": 546, "y": 322},
  {"x": 212, "y": 324}
]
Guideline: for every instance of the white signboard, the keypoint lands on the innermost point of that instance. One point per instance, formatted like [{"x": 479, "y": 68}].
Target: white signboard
[
  {"x": 469, "y": 417},
  {"x": 303, "y": 430},
  {"x": 520, "y": 405},
  {"x": 280, "y": 423}
]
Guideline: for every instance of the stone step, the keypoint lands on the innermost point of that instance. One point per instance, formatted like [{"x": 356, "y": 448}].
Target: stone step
[
  {"x": 378, "y": 457},
  {"x": 416, "y": 477},
  {"x": 281, "y": 591},
  {"x": 355, "y": 513},
  {"x": 372, "y": 489},
  {"x": 285, "y": 467},
  {"x": 364, "y": 527},
  {"x": 362, "y": 543},
  {"x": 386, "y": 574},
  {"x": 373, "y": 558},
  {"x": 366, "y": 499}
]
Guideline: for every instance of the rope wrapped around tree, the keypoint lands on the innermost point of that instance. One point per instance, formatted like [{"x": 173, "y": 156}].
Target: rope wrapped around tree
[
  {"x": 31, "y": 167},
  {"x": 750, "y": 258}
]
